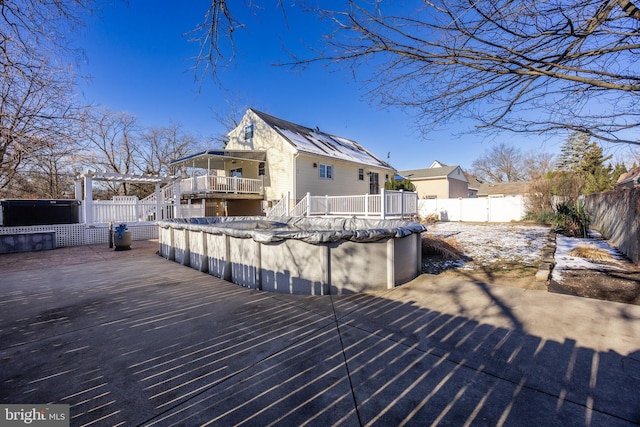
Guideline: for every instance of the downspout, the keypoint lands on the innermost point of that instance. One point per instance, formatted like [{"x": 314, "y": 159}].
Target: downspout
[{"x": 295, "y": 180}]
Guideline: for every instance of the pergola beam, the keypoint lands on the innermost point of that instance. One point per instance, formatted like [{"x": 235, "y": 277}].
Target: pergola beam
[{"x": 128, "y": 178}]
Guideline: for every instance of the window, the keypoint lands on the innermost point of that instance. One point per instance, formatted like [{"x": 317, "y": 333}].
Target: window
[
  {"x": 261, "y": 170},
  {"x": 236, "y": 173},
  {"x": 248, "y": 132},
  {"x": 360, "y": 174},
  {"x": 326, "y": 171}
]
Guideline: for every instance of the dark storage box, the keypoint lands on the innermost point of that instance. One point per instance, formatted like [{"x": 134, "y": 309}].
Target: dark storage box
[{"x": 39, "y": 212}]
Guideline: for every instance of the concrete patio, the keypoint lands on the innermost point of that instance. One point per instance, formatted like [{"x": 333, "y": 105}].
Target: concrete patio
[{"x": 128, "y": 338}]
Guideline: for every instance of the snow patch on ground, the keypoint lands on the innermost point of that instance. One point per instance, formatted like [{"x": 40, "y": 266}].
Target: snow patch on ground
[
  {"x": 565, "y": 262},
  {"x": 493, "y": 246},
  {"x": 501, "y": 246}
]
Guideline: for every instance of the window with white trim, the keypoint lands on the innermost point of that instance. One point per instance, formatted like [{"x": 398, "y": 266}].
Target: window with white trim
[
  {"x": 248, "y": 132},
  {"x": 326, "y": 171},
  {"x": 360, "y": 174}
]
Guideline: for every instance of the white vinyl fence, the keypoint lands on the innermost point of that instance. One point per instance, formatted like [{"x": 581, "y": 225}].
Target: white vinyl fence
[
  {"x": 485, "y": 209},
  {"x": 129, "y": 209},
  {"x": 388, "y": 204}
]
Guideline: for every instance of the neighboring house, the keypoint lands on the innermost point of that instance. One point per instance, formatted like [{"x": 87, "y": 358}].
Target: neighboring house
[
  {"x": 630, "y": 179},
  {"x": 503, "y": 189},
  {"x": 438, "y": 181},
  {"x": 474, "y": 185},
  {"x": 268, "y": 158}
]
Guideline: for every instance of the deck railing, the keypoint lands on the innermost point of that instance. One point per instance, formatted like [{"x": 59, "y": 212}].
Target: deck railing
[
  {"x": 281, "y": 208},
  {"x": 221, "y": 184},
  {"x": 192, "y": 211},
  {"x": 104, "y": 211},
  {"x": 389, "y": 204},
  {"x": 301, "y": 208}
]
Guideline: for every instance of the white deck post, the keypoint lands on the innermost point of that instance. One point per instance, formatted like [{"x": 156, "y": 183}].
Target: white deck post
[
  {"x": 88, "y": 198},
  {"x": 207, "y": 186},
  {"x": 176, "y": 199},
  {"x": 401, "y": 204},
  {"x": 78, "y": 196},
  {"x": 288, "y": 204},
  {"x": 308, "y": 197},
  {"x": 138, "y": 210},
  {"x": 383, "y": 203},
  {"x": 366, "y": 205},
  {"x": 159, "y": 202}
]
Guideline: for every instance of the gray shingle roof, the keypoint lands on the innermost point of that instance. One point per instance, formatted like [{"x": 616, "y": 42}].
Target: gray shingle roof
[
  {"x": 314, "y": 141},
  {"x": 504, "y": 188},
  {"x": 428, "y": 173}
]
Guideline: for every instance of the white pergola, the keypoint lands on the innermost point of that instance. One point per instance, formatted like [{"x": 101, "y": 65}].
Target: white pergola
[{"x": 87, "y": 177}]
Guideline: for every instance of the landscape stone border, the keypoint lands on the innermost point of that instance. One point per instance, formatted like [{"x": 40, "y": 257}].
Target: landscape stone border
[{"x": 548, "y": 259}]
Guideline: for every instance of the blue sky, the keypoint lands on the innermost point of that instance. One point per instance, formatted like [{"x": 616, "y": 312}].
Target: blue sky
[{"x": 138, "y": 61}]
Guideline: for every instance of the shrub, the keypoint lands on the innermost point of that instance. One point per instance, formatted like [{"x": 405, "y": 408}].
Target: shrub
[
  {"x": 399, "y": 184},
  {"x": 571, "y": 220},
  {"x": 430, "y": 219},
  {"x": 447, "y": 249},
  {"x": 545, "y": 216}
]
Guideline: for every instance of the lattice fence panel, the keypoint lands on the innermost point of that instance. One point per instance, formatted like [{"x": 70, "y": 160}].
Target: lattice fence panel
[
  {"x": 144, "y": 232},
  {"x": 78, "y": 234},
  {"x": 66, "y": 234},
  {"x": 97, "y": 235}
]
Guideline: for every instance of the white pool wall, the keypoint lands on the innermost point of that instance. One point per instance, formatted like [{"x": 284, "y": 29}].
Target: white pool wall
[{"x": 292, "y": 265}]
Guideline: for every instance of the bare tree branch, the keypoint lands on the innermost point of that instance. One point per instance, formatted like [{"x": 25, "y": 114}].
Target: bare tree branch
[
  {"x": 36, "y": 79},
  {"x": 522, "y": 66},
  {"x": 215, "y": 36}
]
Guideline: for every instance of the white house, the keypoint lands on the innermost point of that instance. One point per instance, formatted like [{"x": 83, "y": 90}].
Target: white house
[{"x": 267, "y": 158}]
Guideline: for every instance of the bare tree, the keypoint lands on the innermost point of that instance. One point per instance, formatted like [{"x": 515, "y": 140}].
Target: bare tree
[
  {"x": 230, "y": 119},
  {"x": 540, "y": 197},
  {"x": 110, "y": 139},
  {"x": 522, "y": 66},
  {"x": 34, "y": 114},
  {"x": 159, "y": 146},
  {"x": 36, "y": 79},
  {"x": 537, "y": 163},
  {"x": 502, "y": 163}
]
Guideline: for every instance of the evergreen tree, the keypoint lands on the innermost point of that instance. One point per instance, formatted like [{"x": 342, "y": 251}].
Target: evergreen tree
[
  {"x": 618, "y": 170},
  {"x": 572, "y": 151},
  {"x": 597, "y": 176},
  {"x": 399, "y": 184}
]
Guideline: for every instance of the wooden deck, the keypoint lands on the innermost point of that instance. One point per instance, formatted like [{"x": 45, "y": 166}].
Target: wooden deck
[{"x": 129, "y": 338}]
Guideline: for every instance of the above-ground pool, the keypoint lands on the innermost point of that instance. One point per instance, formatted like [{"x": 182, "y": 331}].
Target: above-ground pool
[{"x": 313, "y": 256}]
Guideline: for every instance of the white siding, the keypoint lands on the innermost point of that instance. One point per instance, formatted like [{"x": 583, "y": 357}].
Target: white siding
[
  {"x": 345, "y": 177},
  {"x": 279, "y": 166},
  {"x": 286, "y": 172}
]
